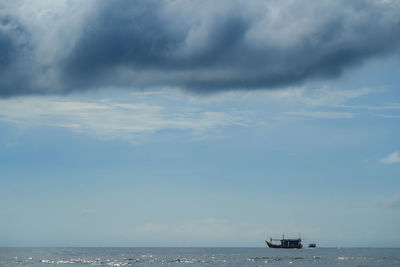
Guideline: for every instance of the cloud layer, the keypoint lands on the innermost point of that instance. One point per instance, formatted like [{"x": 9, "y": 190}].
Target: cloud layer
[
  {"x": 200, "y": 46},
  {"x": 392, "y": 158},
  {"x": 133, "y": 117},
  {"x": 109, "y": 119}
]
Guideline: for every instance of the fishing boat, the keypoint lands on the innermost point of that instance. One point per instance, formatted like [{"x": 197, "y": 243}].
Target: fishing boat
[
  {"x": 285, "y": 243},
  {"x": 312, "y": 245}
]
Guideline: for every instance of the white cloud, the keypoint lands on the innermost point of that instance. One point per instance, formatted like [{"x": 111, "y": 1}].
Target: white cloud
[
  {"x": 312, "y": 102},
  {"x": 392, "y": 158},
  {"x": 301, "y": 115},
  {"x": 111, "y": 119},
  {"x": 330, "y": 97},
  {"x": 392, "y": 202},
  {"x": 391, "y": 106},
  {"x": 388, "y": 116},
  {"x": 133, "y": 116}
]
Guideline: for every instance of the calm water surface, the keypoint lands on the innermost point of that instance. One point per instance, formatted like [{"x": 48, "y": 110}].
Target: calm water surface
[{"x": 48, "y": 257}]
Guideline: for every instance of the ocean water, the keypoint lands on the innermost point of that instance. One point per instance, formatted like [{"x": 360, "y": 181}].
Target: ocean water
[{"x": 50, "y": 257}]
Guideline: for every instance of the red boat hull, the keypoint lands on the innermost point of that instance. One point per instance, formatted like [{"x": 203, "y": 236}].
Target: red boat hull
[{"x": 280, "y": 246}]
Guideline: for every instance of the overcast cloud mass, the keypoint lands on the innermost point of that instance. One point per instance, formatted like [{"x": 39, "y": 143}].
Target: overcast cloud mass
[{"x": 200, "y": 46}]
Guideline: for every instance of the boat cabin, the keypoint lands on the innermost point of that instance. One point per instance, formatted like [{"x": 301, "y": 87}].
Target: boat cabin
[{"x": 290, "y": 242}]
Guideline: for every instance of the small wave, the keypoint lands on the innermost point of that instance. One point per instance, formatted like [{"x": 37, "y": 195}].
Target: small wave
[
  {"x": 108, "y": 262},
  {"x": 132, "y": 260},
  {"x": 184, "y": 260},
  {"x": 275, "y": 258},
  {"x": 265, "y": 259},
  {"x": 344, "y": 258},
  {"x": 289, "y": 260},
  {"x": 147, "y": 256}
]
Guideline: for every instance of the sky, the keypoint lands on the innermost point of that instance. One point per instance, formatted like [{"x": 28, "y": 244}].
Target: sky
[{"x": 199, "y": 123}]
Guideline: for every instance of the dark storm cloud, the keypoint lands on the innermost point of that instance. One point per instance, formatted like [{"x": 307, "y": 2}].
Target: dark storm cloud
[
  {"x": 122, "y": 33},
  {"x": 208, "y": 46},
  {"x": 13, "y": 45},
  {"x": 7, "y": 46}
]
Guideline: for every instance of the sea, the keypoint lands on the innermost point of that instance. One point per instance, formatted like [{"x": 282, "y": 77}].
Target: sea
[{"x": 51, "y": 257}]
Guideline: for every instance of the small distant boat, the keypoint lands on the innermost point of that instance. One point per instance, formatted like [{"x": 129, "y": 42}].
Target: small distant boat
[
  {"x": 285, "y": 243},
  {"x": 312, "y": 245}
]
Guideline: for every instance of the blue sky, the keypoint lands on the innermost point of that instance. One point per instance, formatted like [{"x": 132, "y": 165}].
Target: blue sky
[{"x": 192, "y": 145}]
